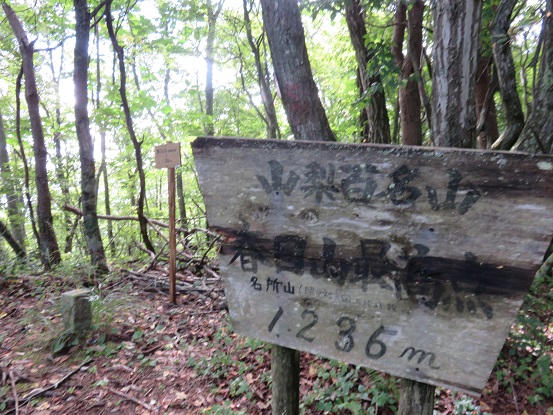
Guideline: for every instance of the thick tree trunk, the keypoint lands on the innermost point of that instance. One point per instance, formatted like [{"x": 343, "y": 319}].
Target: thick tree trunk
[
  {"x": 300, "y": 97},
  {"x": 378, "y": 124},
  {"x": 128, "y": 120},
  {"x": 409, "y": 98},
  {"x": 16, "y": 216},
  {"x": 48, "y": 241},
  {"x": 537, "y": 135},
  {"x": 503, "y": 58},
  {"x": 270, "y": 118},
  {"x": 456, "y": 33},
  {"x": 86, "y": 147}
]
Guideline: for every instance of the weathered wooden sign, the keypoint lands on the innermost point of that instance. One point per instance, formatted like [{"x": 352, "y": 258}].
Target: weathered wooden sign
[
  {"x": 167, "y": 155},
  {"x": 413, "y": 261}
]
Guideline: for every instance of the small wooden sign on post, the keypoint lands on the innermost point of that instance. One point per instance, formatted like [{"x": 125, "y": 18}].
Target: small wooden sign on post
[
  {"x": 168, "y": 156},
  {"x": 409, "y": 260}
]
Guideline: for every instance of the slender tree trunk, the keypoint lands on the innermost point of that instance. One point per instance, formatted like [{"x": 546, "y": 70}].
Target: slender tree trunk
[
  {"x": 503, "y": 58},
  {"x": 378, "y": 125},
  {"x": 270, "y": 117},
  {"x": 14, "y": 199},
  {"x": 456, "y": 33},
  {"x": 487, "y": 129},
  {"x": 300, "y": 97},
  {"x": 212, "y": 15},
  {"x": 86, "y": 147},
  {"x": 24, "y": 160},
  {"x": 128, "y": 119},
  {"x": 18, "y": 249},
  {"x": 59, "y": 159},
  {"x": 103, "y": 170},
  {"x": 409, "y": 98},
  {"x": 181, "y": 201},
  {"x": 48, "y": 241},
  {"x": 537, "y": 135}
]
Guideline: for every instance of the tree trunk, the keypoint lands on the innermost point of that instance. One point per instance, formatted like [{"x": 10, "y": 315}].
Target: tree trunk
[
  {"x": 416, "y": 398},
  {"x": 103, "y": 170},
  {"x": 456, "y": 33},
  {"x": 485, "y": 105},
  {"x": 128, "y": 120},
  {"x": 59, "y": 160},
  {"x": 270, "y": 118},
  {"x": 378, "y": 125},
  {"x": 18, "y": 249},
  {"x": 16, "y": 216},
  {"x": 300, "y": 97},
  {"x": 503, "y": 58},
  {"x": 209, "y": 51},
  {"x": 409, "y": 98},
  {"x": 181, "y": 201},
  {"x": 48, "y": 241},
  {"x": 537, "y": 135},
  {"x": 285, "y": 372},
  {"x": 86, "y": 147},
  {"x": 24, "y": 160}
]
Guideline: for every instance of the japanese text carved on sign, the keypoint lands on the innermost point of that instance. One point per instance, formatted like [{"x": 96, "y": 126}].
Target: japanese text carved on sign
[{"x": 412, "y": 261}]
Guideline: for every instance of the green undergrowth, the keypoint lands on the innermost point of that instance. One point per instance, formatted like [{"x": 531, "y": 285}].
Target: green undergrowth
[{"x": 526, "y": 360}]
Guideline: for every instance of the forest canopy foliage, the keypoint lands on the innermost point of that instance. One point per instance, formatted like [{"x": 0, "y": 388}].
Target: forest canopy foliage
[{"x": 170, "y": 71}]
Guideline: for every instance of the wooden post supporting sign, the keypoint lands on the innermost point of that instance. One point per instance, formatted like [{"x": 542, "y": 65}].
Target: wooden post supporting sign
[
  {"x": 409, "y": 260},
  {"x": 168, "y": 156}
]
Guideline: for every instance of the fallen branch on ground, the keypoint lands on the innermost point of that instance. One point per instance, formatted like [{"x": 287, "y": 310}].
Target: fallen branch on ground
[
  {"x": 38, "y": 392},
  {"x": 130, "y": 398}
]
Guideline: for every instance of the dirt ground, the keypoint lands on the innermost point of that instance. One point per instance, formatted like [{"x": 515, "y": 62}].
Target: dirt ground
[{"x": 146, "y": 356}]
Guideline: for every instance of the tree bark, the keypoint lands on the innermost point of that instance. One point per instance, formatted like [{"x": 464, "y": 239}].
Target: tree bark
[
  {"x": 378, "y": 125},
  {"x": 416, "y": 398},
  {"x": 456, "y": 33},
  {"x": 16, "y": 216},
  {"x": 285, "y": 372},
  {"x": 409, "y": 98},
  {"x": 86, "y": 147},
  {"x": 300, "y": 98},
  {"x": 537, "y": 135},
  {"x": 503, "y": 58},
  {"x": 128, "y": 120},
  {"x": 48, "y": 241}
]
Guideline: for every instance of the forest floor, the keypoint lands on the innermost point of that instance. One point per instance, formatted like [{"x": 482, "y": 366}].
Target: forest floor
[{"x": 146, "y": 356}]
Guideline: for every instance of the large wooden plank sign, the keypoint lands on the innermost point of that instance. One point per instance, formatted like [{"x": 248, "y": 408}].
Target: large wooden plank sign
[{"x": 413, "y": 261}]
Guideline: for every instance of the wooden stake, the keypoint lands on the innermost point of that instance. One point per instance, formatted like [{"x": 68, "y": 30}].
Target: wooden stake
[
  {"x": 416, "y": 398},
  {"x": 285, "y": 372},
  {"x": 172, "y": 238}
]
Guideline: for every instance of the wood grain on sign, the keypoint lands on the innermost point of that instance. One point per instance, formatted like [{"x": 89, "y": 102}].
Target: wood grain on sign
[
  {"x": 409, "y": 260},
  {"x": 167, "y": 156}
]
